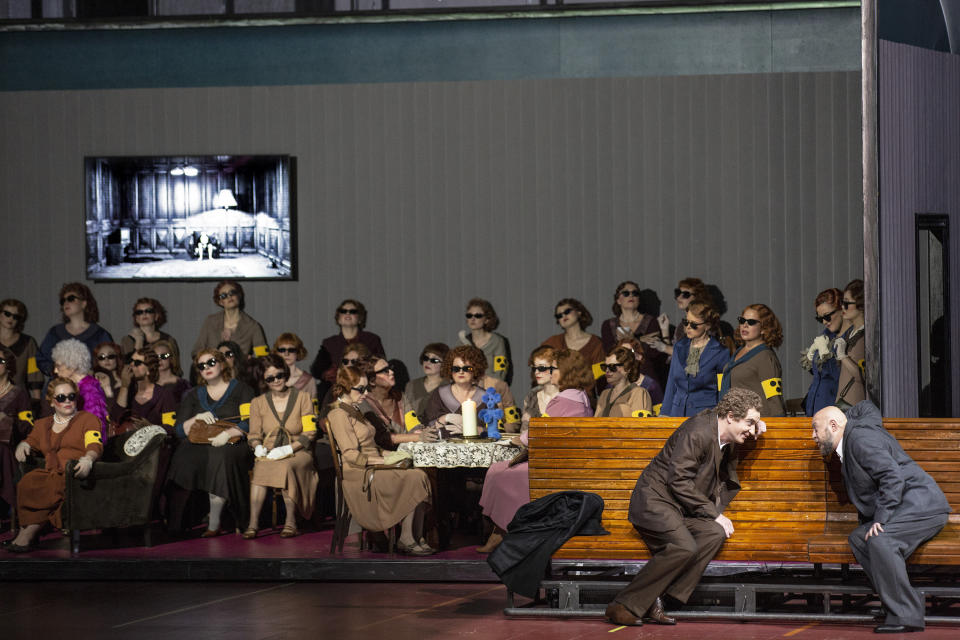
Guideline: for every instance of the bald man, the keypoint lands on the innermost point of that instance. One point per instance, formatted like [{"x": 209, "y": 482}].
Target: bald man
[{"x": 899, "y": 505}]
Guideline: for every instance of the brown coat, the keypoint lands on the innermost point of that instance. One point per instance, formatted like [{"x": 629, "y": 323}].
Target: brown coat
[
  {"x": 248, "y": 334},
  {"x": 631, "y": 400}
]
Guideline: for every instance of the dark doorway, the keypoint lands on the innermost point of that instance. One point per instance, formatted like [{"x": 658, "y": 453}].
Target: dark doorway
[{"x": 933, "y": 315}]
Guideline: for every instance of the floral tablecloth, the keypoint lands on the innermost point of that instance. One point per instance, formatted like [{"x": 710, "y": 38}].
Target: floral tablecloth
[{"x": 449, "y": 454}]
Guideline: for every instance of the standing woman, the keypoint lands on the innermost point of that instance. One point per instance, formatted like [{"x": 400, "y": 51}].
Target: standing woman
[
  {"x": 755, "y": 366},
  {"x": 80, "y": 315},
  {"x": 72, "y": 361},
  {"x": 13, "y": 316},
  {"x": 418, "y": 390},
  {"x": 68, "y": 434},
  {"x": 290, "y": 347},
  {"x": 16, "y": 420},
  {"x": 698, "y": 359},
  {"x": 231, "y": 323},
  {"x": 629, "y": 322},
  {"x": 219, "y": 469},
  {"x": 170, "y": 372},
  {"x": 850, "y": 348},
  {"x": 148, "y": 316},
  {"x": 623, "y": 397},
  {"x": 820, "y": 358},
  {"x": 687, "y": 290},
  {"x": 351, "y": 317},
  {"x": 482, "y": 320},
  {"x": 283, "y": 427},
  {"x": 574, "y": 318}
]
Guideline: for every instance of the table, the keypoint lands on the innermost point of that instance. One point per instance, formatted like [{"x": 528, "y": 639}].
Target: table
[{"x": 449, "y": 454}]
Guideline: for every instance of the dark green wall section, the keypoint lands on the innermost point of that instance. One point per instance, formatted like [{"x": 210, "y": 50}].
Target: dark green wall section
[{"x": 575, "y": 47}]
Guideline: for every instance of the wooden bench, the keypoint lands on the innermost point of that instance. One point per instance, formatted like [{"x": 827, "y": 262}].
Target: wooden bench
[{"x": 791, "y": 507}]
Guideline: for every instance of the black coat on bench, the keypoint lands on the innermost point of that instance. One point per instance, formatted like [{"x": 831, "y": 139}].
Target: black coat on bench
[{"x": 540, "y": 528}]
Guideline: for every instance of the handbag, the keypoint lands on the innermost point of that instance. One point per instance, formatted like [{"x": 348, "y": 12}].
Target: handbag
[{"x": 201, "y": 432}]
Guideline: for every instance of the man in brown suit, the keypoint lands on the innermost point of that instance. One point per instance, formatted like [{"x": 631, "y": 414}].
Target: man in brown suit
[{"x": 678, "y": 502}]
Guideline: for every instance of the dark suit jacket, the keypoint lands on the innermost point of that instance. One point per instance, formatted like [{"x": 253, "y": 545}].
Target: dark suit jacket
[
  {"x": 690, "y": 477},
  {"x": 882, "y": 481}
]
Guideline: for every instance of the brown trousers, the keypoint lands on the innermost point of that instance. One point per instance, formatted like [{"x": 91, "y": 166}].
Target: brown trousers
[{"x": 678, "y": 559}]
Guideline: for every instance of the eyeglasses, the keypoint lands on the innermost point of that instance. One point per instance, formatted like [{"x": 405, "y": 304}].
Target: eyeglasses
[
  {"x": 747, "y": 321},
  {"x": 826, "y": 317},
  {"x": 137, "y": 363},
  {"x": 630, "y": 293},
  {"x": 164, "y": 356},
  {"x": 384, "y": 370},
  {"x": 107, "y": 356},
  {"x": 69, "y": 298},
  {"x": 466, "y": 369},
  {"x": 478, "y": 316},
  {"x": 682, "y": 293},
  {"x": 692, "y": 325},
  {"x": 65, "y": 397},
  {"x": 846, "y": 303},
  {"x": 274, "y": 378},
  {"x": 349, "y": 361},
  {"x": 563, "y": 313},
  {"x": 429, "y": 359},
  {"x": 611, "y": 368},
  {"x": 227, "y": 354},
  {"x": 539, "y": 368},
  {"x": 360, "y": 389},
  {"x": 209, "y": 364},
  {"x": 140, "y": 312},
  {"x": 348, "y": 312},
  {"x": 227, "y": 294},
  {"x": 15, "y": 316},
  {"x": 287, "y": 349}
]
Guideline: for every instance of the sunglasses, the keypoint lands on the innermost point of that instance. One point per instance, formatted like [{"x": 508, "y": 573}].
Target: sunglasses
[
  {"x": 539, "y": 368},
  {"x": 227, "y": 294},
  {"x": 286, "y": 349},
  {"x": 347, "y": 362},
  {"x": 209, "y": 364},
  {"x": 137, "y": 363},
  {"x": 164, "y": 356},
  {"x": 107, "y": 356},
  {"x": 692, "y": 325},
  {"x": 140, "y": 312},
  {"x": 271, "y": 379},
  {"x": 747, "y": 321},
  {"x": 348, "y": 312},
  {"x": 563, "y": 313},
  {"x": 478, "y": 316},
  {"x": 826, "y": 317},
  {"x": 3, "y": 361},
  {"x": 65, "y": 397},
  {"x": 612, "y": 368},
  {"x": 15, "y": 316},
  {"x": 456, "y": 369},
  {"x": 69, "y": 298},
  {"x": 847, "y": 303},
  {"x": 227, "y": 354},
  {"x": 630, "y": 293},
  {"x": 429, "y": 359},
  {"x": 360, "y": 389},
  {"x": 682, "y": 293},
  {"x": 384, "y": 370}
]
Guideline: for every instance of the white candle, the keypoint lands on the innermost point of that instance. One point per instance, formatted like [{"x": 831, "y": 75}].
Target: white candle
[{"x": 469, "y": 411}]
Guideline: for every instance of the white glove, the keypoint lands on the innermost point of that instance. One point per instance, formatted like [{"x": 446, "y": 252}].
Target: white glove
[
  {"x": 23, "y": 450},
  {"x": 841, "y": 347},
  {"x": 664, "y": 323},
  {"x": 280, "y": 452},
  {"x": 453, "y": 419},
  {"x": 812, "y": 352},
  {"x": 206, "y": 416},
  {"x": 259, "y": 451},
  {"x": 83, "y": 467},
  {"x": 220, "y": 439}
]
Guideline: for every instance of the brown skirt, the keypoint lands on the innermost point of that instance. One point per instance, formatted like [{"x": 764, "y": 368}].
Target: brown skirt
[
  {"x": 40, "y": 496},
  {"x": 296, "y": 475}
]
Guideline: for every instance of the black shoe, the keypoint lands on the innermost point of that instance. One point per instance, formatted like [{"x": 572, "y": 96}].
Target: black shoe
[
  {"x": 20, "y": 548},
  {"x": 895, "y": 628}
]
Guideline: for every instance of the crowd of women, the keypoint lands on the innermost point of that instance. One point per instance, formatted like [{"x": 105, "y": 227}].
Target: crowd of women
[{"x": 245, "y": 417}]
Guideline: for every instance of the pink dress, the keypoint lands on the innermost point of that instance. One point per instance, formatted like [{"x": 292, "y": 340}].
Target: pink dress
[{"x": 506, "y": 489}]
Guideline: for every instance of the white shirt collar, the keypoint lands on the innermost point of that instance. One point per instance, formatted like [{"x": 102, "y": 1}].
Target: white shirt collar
[{"x": 840, "y": 449}]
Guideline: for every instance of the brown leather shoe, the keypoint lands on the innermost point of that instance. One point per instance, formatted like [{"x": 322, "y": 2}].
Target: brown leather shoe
[
  {"x": 619, "y": 615},
  {"x": 209, "y": 533},
  {"x": 656, "y": 614}
]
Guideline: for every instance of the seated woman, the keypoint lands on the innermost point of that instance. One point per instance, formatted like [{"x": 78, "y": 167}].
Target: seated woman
[
  {"x": 482, "y": 320},
  {"x": 356, "y": 355},
  {"x": 850, "y": 348},
  {"x": 647, "y": 382},
  {"x": 16, "y": 421},
  {"x": 386, "y": 403},
  {"x": 13, "y": 317},
  {"x": 623, "y": 397},
  {"x": 283, "y": 427},
  {"x": 820, "y": 358},
  {"x": 80, "y": 315},
  {"x": 755, "y": 365},
  {"x": 507, "y": 488},
  {"x": 148, "y": 316},
  {"x": 140, "y": 397},
  {"x": 170, "y": 373},
  {"x": 72, "y": 361},
  {"x": 220, "y": 469},
  {"x": 351, "y": 317},
  {"x": 465, "y": 365},
  {"x": 418, "y": 390},
  {"x": 239, "y": 363},
  {"x": 543, "y": 362},
  {"x": 290, "y": 347},
  {"x": 574, "y": 318},
  {"x": 231, "y": 323},
  {"x": 107, "y": 365},
  {"x": 378, "y": 498},
  {"x": 698, "y": 358},
  {"x": 629, "y": 322},
  {"x": 68, "y": 434}
]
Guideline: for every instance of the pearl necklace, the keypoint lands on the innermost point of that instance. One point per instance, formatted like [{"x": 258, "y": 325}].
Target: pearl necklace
[{"x": 56, "y": 418}]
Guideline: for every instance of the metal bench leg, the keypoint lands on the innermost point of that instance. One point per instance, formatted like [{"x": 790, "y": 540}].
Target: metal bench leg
[{"x": 75, "y": 542}]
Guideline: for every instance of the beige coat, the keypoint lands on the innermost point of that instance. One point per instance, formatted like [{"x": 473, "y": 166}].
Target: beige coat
[{"x": 633, "y": 399}]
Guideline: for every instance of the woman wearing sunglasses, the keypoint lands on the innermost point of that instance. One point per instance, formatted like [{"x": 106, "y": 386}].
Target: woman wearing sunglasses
[
  {"x": 107, "y": 366},
  {"x": 629, "y": 322},
  {"x": 820, "y": 358},
  {"x": 231, "y": 323},
  {"x": 573, "y": 318},
  {"x": 283, "y": 426},
  {"x": 170, "y": 376},
  {"x": 220, "y": 469},
  {"x": 140, "y": 397},
  {"x": 148, "y": 316},
  {"x": 13, "y": 317},
  {"x": 465, "y": 366},
  {"x": 755, "y": 365},
  {"x": 418, "y": 390},
  {"x": 68, "y": 435},
  {"x": 290, "y": 347},
  {"x": 687, "y": 290},
  {"x": 72, "y": 361},
  {"x": 698, "y": 358},
  {"x": 16, "y": 420},
  {"x": 624, "y": 396},
  {"x": 378, "y": 498},
  {"x": 850, "y": 348},
  {"x": 482, "y": 319},
  {"x": 351, "y": 318},
  {"x": 80, "y": 314},
  {"x": 542, "y": 363}
]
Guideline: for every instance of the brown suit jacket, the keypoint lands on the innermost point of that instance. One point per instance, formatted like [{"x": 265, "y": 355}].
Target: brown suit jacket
[{"x": 690, "y": 478}]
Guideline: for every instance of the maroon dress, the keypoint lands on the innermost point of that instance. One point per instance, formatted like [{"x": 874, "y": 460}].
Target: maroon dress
[{"x": 16, "y": 420}]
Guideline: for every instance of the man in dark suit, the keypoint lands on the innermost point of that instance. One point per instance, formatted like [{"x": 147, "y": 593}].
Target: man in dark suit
[
  {"x": 899, "y": 504},
  {"x": 677, "y": 506}
]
